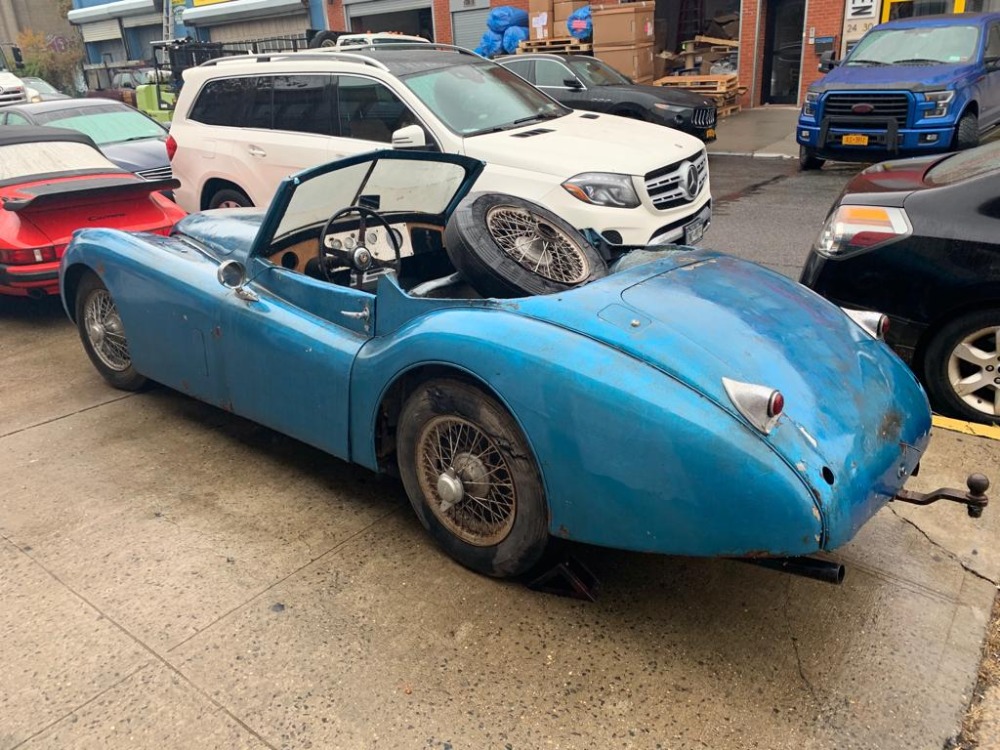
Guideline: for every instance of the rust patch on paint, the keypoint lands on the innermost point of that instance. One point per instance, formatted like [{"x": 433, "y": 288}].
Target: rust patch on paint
[{"x": 217, "y": 332}]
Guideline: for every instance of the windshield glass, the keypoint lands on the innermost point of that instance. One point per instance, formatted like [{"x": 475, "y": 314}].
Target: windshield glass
[
  {"x": 597, "y": 73},
  {"x": 965, "y": 165},
  {"x": 926, "y": 45},
  {"x": 26, "y": 159},
  {"x": 388, "y": 186},
  {"x": 41, "y": 86},
  {"x": 105, "y": 125},
  {"x": 481, "y": 98}
]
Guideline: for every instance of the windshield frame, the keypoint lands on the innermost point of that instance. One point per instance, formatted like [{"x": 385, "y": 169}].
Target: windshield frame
[{"x": 860, "y": 56}]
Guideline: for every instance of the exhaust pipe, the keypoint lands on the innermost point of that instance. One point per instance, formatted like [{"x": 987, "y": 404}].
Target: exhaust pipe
[{"x": 808, "y": 567}]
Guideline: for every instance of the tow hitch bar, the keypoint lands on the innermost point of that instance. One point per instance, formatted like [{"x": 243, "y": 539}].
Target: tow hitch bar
[{"x": 974, "y": 500}]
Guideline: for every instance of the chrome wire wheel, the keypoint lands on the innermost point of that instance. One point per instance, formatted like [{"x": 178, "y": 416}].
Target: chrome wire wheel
[
  {"x": 466, "y": 481},
  {"x": 974, "y": 370},
  {"x": 104, "y": 330},
  {"x": 537, "y": 245}
]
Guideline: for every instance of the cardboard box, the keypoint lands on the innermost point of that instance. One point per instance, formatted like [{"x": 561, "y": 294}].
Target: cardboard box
[
  {"x": 634, "y": 61},
  {"x": 562, "y": 10},
  {"x": 623, "y": 24},
  {"x": 540, "y": 19}
]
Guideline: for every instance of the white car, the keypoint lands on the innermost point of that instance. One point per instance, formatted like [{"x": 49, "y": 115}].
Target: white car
[{"x": 242, "y": 124}]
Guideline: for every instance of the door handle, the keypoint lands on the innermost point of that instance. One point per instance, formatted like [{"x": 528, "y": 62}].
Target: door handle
[
  {"x": 256, "y": 151},
  {"x": 364, "y": 315}
]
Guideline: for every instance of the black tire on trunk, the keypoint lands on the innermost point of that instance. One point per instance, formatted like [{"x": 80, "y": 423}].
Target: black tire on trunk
[
  {"x": 961, "y": 367},
  {"x": 510, "y": 247},
  {"x": 103, "y": 334},
  {"x": 471, "y": 478}
]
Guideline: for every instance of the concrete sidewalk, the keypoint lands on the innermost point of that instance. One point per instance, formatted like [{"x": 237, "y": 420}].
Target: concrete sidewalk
[{"x": 762, "y": 131}]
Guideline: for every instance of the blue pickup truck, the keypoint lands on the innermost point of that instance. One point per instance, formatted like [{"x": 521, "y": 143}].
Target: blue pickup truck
[{"x": 909, "y": 87}]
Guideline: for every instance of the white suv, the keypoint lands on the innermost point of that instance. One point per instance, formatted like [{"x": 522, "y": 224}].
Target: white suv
[{"x": 244, "y": 123}]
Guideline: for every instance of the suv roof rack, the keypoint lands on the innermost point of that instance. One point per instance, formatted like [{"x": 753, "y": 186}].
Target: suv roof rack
[
  {"x": 389, "y": 46},
  {"x": 311, "y": 55}
]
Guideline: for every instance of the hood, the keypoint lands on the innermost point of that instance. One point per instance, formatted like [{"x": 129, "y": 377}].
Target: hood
[
  {"x": 223, "y": 231},
  {"x": 668, "y": 94},
  {"x": 909, "y": 77},
  {"x": 138, "y": 156},
  {"x": 703, "y": 316},
  {"x": 9, "y": 79},
  {"x": 590, "y": 143}
]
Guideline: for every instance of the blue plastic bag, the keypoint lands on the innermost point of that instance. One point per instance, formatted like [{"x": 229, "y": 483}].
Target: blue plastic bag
[
  {"x": 490, "y": 45},
  {"x": 512, "y": 37},
  {"x": 579, "y": 23},
  {"x": 503, "y": 17}
]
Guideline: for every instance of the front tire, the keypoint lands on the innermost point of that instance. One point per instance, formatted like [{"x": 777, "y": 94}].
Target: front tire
[
  {"x": 230, "y": 198},
  {"x": 471, "y": 479},
  {"x": 103, "y": 335},
  {"x": 967, "y": 132},
  {"x": 962, "y": 367},
  {"x": 808, "y": 161}
]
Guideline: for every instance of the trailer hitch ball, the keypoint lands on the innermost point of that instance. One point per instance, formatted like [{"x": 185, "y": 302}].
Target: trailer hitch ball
[{"x": 977, "y": 484}]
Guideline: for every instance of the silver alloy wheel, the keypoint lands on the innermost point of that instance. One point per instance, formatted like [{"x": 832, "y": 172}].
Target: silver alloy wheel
[
  {"x": 974, "y": 370},
  {"x": 537, "y": 245},
  {"x": 105, "y": 331},
  {"x": 466, "y": 481}
]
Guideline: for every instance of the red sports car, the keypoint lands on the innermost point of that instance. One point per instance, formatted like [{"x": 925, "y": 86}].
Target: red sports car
[{"x": 53, "y": 182}]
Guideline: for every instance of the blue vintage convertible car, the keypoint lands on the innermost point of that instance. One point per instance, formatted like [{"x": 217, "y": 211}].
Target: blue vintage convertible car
[{"x": 669, "y": 400}]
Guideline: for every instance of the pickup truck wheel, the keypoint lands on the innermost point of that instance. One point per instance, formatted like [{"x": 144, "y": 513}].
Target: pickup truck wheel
[
  {"x": 808, "y": 161},
  {"x": 324, "y": 39},
  {"x": 103, "y": 335},
  {"x": 967, "y": 133},
  {"x": 471, "y": 478},
  {"x": 230, "y": 198},
  {"x": 962, "y": 367},
  {"x": 510, "y": 247}
]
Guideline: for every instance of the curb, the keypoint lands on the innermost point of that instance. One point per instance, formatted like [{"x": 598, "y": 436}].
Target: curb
[
  {"x": 966, "y": 428},
  {"x": 754, "y": 154}
]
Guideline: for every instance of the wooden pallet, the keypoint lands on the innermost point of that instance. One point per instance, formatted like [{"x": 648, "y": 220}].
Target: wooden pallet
[
  {"x": 724, "y": 84},
  {"x": 731, "y": 109},
  {"x": 557, "y": 45}
]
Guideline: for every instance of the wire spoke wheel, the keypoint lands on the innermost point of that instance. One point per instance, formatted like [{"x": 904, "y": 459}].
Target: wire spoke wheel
[
  {"x": 105, "y": 332},
  {"x": 466, "y": 480},
  {"x": 537, "y": 245},
  {"x": 974, "y": 370}
]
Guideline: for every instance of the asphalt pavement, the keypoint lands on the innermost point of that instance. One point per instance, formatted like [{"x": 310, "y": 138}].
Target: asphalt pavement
[{"x": 173, "y": 576}]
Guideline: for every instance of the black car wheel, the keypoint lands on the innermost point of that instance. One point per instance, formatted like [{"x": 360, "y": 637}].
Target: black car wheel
[
  {"x": 808, "y": 161},
  {"x": 510, "y": 247},
  {"x": 967, "y": 133},
  {"x": 962, "y": 367},
  {"x": 230, "y": 198},
  {"x": 103, "y": 335},
  {"x": 470, "y": 477},
  {"x": 324, "y": 39}
]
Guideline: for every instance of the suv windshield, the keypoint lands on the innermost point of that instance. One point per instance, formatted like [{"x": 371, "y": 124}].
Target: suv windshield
[
  {"x": 477, "y": 98},
  {"x": 924, "y": 45},
  {"x": 596, "y": 73}
]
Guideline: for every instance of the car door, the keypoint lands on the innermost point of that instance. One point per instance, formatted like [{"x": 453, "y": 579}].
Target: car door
[
  {"x": 555, "y": 78},
  {"x": 368, "y": 113},
  {"x": 990, "y": 104}
]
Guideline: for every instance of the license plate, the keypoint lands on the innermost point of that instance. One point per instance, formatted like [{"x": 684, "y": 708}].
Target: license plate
[
  {"x": 855, "y": 140},
  {"x": 710, "y": 133},
  {"x": 693, "y": 232}
]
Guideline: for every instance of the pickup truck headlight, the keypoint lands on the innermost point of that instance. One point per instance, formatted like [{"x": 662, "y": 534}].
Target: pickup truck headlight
[
  {"x": 809, "y": 106},
  {"x": 603, "y": 189},
  {"x": 853, "y": 229},
  {"x": 941, "y": 100}
]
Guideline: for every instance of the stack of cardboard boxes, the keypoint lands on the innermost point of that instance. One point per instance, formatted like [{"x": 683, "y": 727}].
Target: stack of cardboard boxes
[
  {"x": 623, "y": 37},
  {"x": 547, "y": 19}
]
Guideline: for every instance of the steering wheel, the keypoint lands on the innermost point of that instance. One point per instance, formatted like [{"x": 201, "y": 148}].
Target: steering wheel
[{"x": 358, "y": 258}]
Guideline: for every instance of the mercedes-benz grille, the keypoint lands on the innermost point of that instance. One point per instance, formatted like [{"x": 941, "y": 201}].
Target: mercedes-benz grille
[{"x": 679, "y": 183}]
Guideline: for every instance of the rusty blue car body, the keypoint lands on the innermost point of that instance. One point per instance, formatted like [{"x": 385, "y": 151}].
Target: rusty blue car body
[{"x": 617, "y": 385}]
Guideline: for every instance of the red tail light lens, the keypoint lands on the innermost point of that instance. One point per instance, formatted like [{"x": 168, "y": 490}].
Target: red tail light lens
[
  {"x": 171, "y": 147},
  {"x": 775, "y": 404},
  {"x": 23, "y": 257}
]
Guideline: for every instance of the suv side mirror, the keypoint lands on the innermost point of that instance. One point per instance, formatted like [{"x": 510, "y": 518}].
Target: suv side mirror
[
  {"x": 18, "y": 57},
  {"x": 412, "y": 136},
  {"x": 826, "y": 62},
  {"x": 572, "y": 83}
]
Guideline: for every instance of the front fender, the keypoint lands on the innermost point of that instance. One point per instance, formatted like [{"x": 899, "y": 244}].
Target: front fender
[{"x": 630, "y": 457}]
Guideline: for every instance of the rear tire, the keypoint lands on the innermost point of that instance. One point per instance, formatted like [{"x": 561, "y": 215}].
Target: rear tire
[
  {"x": 230, "y": 198},
  {"x": 961, "y": 367},
  {"x": 103, "y": 335},
  {"x": 967, "y": 132},
  {"x": 471, "y": 478},
  {"x": 808, "y": 161}
]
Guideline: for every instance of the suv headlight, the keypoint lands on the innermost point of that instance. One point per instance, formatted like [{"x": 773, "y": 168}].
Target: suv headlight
[
  {"x": 603, "y": 189},
  {"x": 809, "y": 106},
  {"x": 941, "y": 99},
  {"x": 854, "y": 229}
]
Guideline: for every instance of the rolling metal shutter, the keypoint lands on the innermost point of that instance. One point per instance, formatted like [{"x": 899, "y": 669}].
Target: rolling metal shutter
[
  {"x": 468, "y": 27},
  {"x": 263, "y": 28},
  {"x": 375, "y": 7},
  {"x": 101, "y": 31},
  {"x": 146, "y": 19}
]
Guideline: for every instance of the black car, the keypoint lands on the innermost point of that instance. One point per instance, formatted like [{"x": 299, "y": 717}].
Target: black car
[
  {"x": 583, "y": 82},
  {"x": 919, "y": 240},
  {"x": 125, "y": 135}
]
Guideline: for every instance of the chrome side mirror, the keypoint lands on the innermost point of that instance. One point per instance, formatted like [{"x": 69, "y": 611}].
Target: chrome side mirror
[{"x": 232, "y": 274}]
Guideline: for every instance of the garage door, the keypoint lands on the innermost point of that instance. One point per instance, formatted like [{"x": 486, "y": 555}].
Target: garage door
[
  {"x": 263, "y": 28},
  {"x": 468, "y": 27},
  {"x": 378, "y": 7},
  {"x": 101, "y": 31}
]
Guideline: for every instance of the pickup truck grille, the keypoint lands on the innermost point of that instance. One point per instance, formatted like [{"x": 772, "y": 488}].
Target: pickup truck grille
[
  {"x": 670, "y": 186},
  {"x": 883, "y": 107},
  {"x": 704, "y": 117},
  {"x": 12, "y": 95}
]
